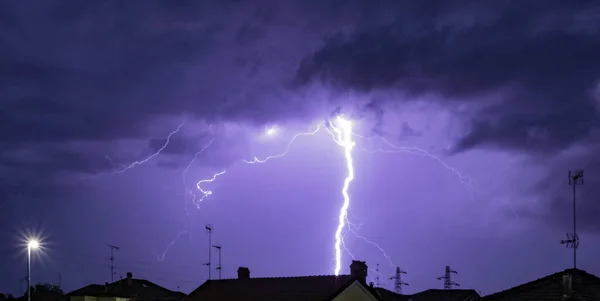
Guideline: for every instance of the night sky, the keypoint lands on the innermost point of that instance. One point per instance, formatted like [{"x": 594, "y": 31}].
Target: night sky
[{"x": 486, "y": 105}]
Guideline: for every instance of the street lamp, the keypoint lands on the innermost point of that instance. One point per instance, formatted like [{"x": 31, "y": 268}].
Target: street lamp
[{"x": 31, "y": 244}]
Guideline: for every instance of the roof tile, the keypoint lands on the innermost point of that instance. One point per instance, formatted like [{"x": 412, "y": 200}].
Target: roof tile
[{"x": 309, "y": 288}]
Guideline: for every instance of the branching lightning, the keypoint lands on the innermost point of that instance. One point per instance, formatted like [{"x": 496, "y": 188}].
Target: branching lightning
[
  {"x": 186, "y": 195},
  {"x": 341, "y": 131},
  {"x": 468, "y": 182},
  {"x": 206, "y": 193}
]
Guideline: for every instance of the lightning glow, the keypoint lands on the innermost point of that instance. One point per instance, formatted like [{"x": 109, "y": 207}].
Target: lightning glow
[
  {"x": 341, "y": 131},
  {"x": 271, "y": 131}
]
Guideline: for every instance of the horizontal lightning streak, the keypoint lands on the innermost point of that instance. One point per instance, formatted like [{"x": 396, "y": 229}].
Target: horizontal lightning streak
[
  {"x": 140, "y": 162},
  {"x": 206, "y": 193},
  {"x": 467, "y": 181}
]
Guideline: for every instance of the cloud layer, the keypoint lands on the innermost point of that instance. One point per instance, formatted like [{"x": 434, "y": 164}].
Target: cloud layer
[
  {"x": 77, "y": 77},
  {"x": 539, "y": 60}
]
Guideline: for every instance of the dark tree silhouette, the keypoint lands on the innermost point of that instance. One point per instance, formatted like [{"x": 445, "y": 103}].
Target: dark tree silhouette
[
  {"x": 6, "y": 297},
  {"x": 39, "y": 292}
]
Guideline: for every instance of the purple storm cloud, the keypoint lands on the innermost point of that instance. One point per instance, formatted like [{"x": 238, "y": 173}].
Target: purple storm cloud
[{"x": 308, "y": 133}]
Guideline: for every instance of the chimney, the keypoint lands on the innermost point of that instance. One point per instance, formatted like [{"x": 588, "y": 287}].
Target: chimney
[
  {"x": 567, "y": 280},
  {"x": 129, "y": 278},
  {"x": 358, "y": 270},
  {"x": 243, "y": 273}
]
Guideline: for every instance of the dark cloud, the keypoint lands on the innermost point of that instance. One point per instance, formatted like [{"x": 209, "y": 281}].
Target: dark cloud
[
  {"x": 211, "y": 148},
  {"x": 207, "y": 149},
  {"x": 540, "y": 57},
  {"x": 101, "y": 72},
  {"x": 87, "y": 71},
  {"x": 178, "y": 145},
  {"x": 48, "y": 173},
  {"x": 56, "y": 160},
  {"x": 407, "y": 131},
  {"x": 557, "y": 196}
]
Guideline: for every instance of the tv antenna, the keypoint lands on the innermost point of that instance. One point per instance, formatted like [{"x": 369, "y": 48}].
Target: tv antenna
[
  {"x": 398, "y": 283},
  {"x": 209, "y": 229},
  {"x": 112, "y": 261},
  {"x": 218, "y": 268},
  {"x": 448, "y": 283},
  {"x": 572, "y": 241}
]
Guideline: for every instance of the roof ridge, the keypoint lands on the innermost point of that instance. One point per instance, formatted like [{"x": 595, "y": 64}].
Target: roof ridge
[
  {"x": 448, "y": 289},
  {"x": 548, "y": 277},
  {"x": 286, "y": 277}
]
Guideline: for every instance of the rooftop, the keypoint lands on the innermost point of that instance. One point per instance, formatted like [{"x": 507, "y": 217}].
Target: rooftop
[
  {"x": 307, "y": 288},
  {"x": 129, "y": 287},
  {"x": 431, "y": 295},
  {"x": 585, "y": 286}
]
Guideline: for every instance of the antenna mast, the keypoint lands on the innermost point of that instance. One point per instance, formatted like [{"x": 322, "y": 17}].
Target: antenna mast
[
  {"x": 398, "y": 283},
  {"x": 218, "y": 268},
  {"x": 112, "y": 261},
  {"x": 572, "y": 241},
  {"x": 377, "y": 278},
  {"x": 209, "y": 229},
  {"x": 448, "y": 283}
]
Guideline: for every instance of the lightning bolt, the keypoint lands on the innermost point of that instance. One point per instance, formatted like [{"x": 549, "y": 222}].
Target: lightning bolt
[
  {"x": 125, "y": 168},
  {"x": 148, "y": 158},
  {"x": 186, "y": 194},
  {"x": 342, "y": 135}
]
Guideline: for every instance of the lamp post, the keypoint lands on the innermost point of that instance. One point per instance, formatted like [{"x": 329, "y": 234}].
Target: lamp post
[{"x": 31, "y": 244}]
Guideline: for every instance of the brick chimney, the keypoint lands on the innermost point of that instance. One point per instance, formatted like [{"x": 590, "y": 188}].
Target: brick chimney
[
  {"x": 567, "y": 281},
  {"x": 358, "y": 270},
  {"x": 129, "y": 279},
  {"x": 243, "y": 273}
]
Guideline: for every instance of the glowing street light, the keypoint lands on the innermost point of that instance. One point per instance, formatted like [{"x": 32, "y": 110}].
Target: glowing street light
[{"x": 32, "y": 244}]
